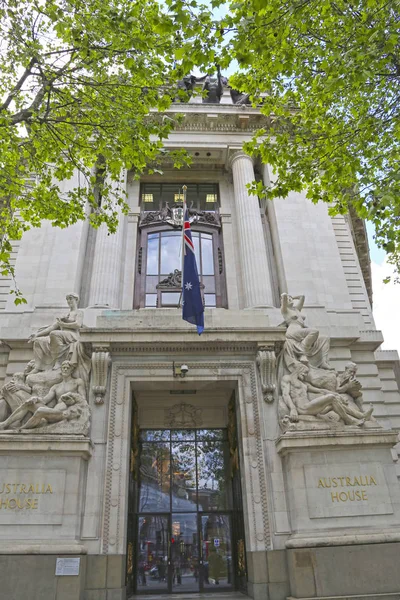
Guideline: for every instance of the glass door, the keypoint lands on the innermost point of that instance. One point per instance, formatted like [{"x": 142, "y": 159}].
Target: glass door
[
  {"x": 153, "y": 553},
  {"x": 184, "y": 511},
  {"x": 216, "y": 552},
  {"x": 184, "y": 553}
]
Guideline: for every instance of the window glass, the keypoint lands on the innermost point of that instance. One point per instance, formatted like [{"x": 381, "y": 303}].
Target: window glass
[
  {"x": 171, "y": 251},
  {"x": 183, "y": 434},
  {"x": 151, "y": 284},
  {"x": 196, "y": 243},
  {"x": 184, "y": 470},
  {"x": 212, "y": 476},
  {"x": 210, "y": 300},
  {"x": 200, "y": 196},
  {"x": 184, "y": 496},
  {"x": 154, "y": 483},
  {"x": 151, "y": 300},
  {"x": 155, "y": 435},
  {"x": 209, "y": 283},
  {"x": 210, "y": 435},
  {"x": 153, "y": 242},
  {"x": 218, "y": 564},
  {"x": 170, "y": 298},
  {"x": 207, "y": 255}
]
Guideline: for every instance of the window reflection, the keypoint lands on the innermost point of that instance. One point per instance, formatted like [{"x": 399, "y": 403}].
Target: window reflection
[
  {"x": 171, "y": 249},
  {"x": 154, "y": 478},
  {"x": 184, "y": 470},
  {"x": 216, "y": 551},
  {"x": 170, "y": 298},
  {"x": 207, "y": 255},
  {"x": 152, "y": 254},
  {"x": 183, "y": 456},
  {"x": 212, "y": 476},
  {"x": 164, "y": 256}
]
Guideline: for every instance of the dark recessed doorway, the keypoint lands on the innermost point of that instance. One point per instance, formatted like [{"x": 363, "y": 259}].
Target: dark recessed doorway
[{"x": 186, "y": 530}]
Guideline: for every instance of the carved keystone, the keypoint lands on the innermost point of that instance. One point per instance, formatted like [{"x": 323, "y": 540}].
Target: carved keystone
[
  {"x": 100, "y": 363},
  {"x": 266, "y": 362}
]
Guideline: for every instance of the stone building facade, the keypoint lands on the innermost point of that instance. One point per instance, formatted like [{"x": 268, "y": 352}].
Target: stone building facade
[{"x": 139, "y": 457}]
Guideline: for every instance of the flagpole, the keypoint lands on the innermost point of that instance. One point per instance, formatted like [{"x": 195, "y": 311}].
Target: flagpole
[{"x": 184, "y": 188}]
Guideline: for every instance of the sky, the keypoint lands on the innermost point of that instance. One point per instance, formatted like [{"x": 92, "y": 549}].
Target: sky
[{"x": 386, "y": 297}]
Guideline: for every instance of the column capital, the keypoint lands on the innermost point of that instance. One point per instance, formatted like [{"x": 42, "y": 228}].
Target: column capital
[{"x": 236, "y": 154}]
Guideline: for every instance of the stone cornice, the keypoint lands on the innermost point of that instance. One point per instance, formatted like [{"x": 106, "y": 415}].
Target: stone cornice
[
  {"x": 318, "y": 440},
  {"x": 26, "y": 442},
  {"x": 217, "y": 118},
  {"x": 216, "y": 339}
]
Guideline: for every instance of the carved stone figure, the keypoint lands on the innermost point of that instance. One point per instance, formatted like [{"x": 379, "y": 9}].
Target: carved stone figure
[
  {"x": 55, "y": 343},
  {"x": 16, "y": 391},
  {"x": 303, "y": 344},
  {"x": 174, "y": 280},
  {"x": 60, "y": 366},
  {"x": 60, "y": 341},
  {"x": 69, "y": 396},
  {"x": 348, "y": 384},
  {"x": 301, "y": 400}
]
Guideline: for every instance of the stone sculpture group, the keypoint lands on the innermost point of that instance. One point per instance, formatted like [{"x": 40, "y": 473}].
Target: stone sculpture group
[
  {"x": 50, "y": 395},
  {"x": 312, "y": 395}
]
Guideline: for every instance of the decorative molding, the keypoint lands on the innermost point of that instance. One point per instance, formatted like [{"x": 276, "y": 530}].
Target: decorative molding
[
  {"x": 183, "y": 415},
  {"x": 100, "y": 364},
  {"x": 266, "y": 362},
  {"x": 186, "y": 348},
  {"x": 115, "y": 508}
]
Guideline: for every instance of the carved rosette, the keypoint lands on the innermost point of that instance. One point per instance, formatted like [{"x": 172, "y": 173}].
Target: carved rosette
[
  {"x": 266, "y": 362},
  {"x": 101, "y": 361}
]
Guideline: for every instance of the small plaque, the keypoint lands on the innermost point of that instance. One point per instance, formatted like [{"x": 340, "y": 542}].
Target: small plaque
[
  {"x": 67, "y": 566},
  {"x": 216, "y": 542}
]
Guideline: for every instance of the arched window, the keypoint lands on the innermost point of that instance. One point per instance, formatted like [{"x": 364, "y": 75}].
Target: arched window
[{"x": 159, "y": 261}]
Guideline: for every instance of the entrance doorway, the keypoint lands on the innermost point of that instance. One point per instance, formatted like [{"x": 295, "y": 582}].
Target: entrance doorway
[
  {"x": 185, "y": 519},
  {"x": 175, "y": 557}
]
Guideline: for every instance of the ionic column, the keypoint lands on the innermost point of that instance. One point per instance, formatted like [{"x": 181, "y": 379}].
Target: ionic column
[
  {"x": 273, "y": 225},
  {"x": 252, "y": 249},
  {"x": 106, "y": 278}
]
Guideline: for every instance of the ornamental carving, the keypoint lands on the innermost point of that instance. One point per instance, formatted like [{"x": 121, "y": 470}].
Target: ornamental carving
[
  {"x": 266, "y": 362},
  {"x": 183, "y": 415},
  {"x": 100, "y": 364},
  {"x": 174, "y": 217}
]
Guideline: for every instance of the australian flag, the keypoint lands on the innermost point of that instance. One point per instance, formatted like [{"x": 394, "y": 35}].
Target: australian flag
[{"x": 192, "y": 303}]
